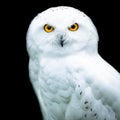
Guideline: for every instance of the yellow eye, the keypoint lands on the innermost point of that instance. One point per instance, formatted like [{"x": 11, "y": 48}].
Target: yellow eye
[
  {"x": 48, "y": 28},
  {"x": 73, "y": 27}
]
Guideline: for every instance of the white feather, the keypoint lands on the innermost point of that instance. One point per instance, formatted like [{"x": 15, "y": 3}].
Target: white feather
[{"x": 72, "y": 82}]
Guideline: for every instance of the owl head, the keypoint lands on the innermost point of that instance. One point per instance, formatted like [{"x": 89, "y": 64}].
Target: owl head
[{"x": 61, "y": 31}]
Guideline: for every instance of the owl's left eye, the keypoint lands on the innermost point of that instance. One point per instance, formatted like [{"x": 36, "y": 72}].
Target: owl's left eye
[
  {"x": 74, "y": 27},
  {"x": 48, "y": 28}
]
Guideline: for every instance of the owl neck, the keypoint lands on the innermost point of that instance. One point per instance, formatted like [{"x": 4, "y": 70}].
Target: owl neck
[{"x": 86, "y": 52}]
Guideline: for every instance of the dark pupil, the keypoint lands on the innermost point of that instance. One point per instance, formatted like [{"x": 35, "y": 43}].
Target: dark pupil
[
  {"x": 73, "y": 26},
  {"x": 49, "y": 27}
]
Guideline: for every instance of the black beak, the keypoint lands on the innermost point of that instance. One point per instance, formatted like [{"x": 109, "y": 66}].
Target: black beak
[
  {"x": 62, "y": 42},
  {"x": 61, "y": 38}
]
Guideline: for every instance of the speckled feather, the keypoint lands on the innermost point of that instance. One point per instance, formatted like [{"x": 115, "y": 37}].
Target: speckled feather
[{"x": 72, "y": 82}]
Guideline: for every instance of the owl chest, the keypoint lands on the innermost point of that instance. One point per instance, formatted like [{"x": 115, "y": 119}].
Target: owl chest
[
  {"x": 64, "y": 90},
  {"x": 58, "y": 79}
]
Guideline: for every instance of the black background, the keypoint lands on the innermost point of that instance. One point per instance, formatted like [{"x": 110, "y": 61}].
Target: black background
[{"x": 20, "y": 95}]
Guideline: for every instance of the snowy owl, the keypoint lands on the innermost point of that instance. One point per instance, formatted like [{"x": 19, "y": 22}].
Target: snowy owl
[{"x": 70, "y": 79}]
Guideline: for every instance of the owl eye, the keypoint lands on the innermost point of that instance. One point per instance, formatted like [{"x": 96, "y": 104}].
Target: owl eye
[
  {"x": 48, "y": 28},
  {"x": 74, "y": 27}
]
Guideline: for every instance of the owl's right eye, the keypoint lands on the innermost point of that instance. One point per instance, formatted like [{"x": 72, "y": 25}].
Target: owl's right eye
[
  {"x": 48, "y": 28},
  {"x": 74, "y": 27}
]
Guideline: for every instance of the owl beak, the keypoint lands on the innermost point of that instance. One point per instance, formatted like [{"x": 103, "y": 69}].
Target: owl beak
[
  {"x": 61, "y": 39},
  {"x": 62, "y": 42}
]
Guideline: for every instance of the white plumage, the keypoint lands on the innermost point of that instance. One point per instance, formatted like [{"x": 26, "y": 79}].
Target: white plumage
[{"x": 70, "y": 79}]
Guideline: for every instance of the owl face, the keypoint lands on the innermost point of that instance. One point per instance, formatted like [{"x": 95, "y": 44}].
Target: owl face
[{"x": 62, "y": 31}]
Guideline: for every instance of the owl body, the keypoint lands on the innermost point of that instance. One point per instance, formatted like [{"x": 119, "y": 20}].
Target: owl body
[
  {"x": 64, "y": 88},
  {"x": 70, "y": 79}
]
